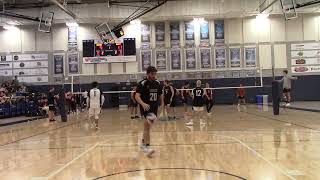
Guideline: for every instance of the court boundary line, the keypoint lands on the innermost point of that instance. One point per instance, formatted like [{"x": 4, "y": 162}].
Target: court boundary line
[
  {"x": 261, "y": 157},
  {"x": 54, "y": 173}
]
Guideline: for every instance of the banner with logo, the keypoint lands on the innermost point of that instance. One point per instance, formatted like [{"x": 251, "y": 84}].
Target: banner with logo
[
  {"x": 146, "y": 59},
  {"x": 305, "y": 69},
  {"x": 5, "y": 59},
  {"x": 145, "y": 36},
  {"x": 189, "y": 35},
  {"x": 204, "y": 34},
  {"x": 33, "y": 79},
  {"x": 73, "y": 38},
  {"x": 58, "y": 64},
  {"x": 219, "y": 31},
  {"x": 235, "y": 59},
  {"x": 175, "y": 34},
  {"x": 160, "y": 35},
  {"x": 191, "y": 62},
  {"x": 250, "y": 56},
  {"x": 220, "y": 57},
  {"x": 73, "y": 63},
  {"x": 161, "y": 60},
  {"x": 30, "y": 57},
  {"x": 35, "y": 64},
  {"x": 30, "y": 72},
  {"x": 175, "y": 59},
  {"x": 205, "y": 58}
]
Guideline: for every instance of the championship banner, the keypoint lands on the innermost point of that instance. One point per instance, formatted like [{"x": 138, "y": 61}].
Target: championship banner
[
  {"x": 219, "y": 31},
  {"x": 175, "y": 59},
  {"x": 36, "y": 64},
  {"x": 109, "y": 59},
  {"x": 161, "y": 60},
  {"x": 160, "y": 35},
  {"x": 33, "y": 79},
  {"x": 146, "y": 59},
  {"x": 250, "y": 56},
  {"x": 189, "y": 35},
  {"x": 30, "y": 57},
  {"x": 73, "y": 38},
  {"x": 234, "y": 55},
  {"x": 191, "y": 62},
  {"x": 5, "y": 59},
  {"x": 205, "y": 58},
  {"x": 30, "y": 72},
  {"x": 175, "y": 34},
  {"x": 204, "y": 34},
  {"x": 145, "y": 36},
  {"x": 220, "y": 57},
  {"x": 73, "y": 63},
  {"x": 58, "y": 64}
]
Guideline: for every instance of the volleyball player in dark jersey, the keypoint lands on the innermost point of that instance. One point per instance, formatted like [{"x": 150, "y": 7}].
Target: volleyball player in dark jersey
[
  {"x": 209, "y": 98},
  {"x": 133, "y": 104},
  {"x": 198, "y": 94},
  {"x": 149, "y": 93},
  {"x": 168, "y": 93},
  {"x": 184, "y": 95}
]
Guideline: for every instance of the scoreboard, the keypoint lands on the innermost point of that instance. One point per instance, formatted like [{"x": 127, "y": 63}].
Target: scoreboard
[{"x": 98, "y": 52}]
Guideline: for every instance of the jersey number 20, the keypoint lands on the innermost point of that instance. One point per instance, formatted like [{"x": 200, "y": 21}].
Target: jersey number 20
[{"x": 153, "y": 96}]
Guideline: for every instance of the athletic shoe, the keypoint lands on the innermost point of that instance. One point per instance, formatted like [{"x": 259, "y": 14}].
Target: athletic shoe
[
  {"x": 288, "y": 104},
  {"x": 209, "y": 113},
  {"x": 147, "y": 150},
  {"x": 132, "y": 117},
  {"x": 202, "y": 123},
  {"x": 137, "y": 117},
  {"x": 189, "y": 123}
]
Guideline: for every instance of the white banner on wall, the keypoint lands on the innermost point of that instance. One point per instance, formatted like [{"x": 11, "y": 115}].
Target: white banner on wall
[
  {"x": 235, "y": 57},
  {"x": 303, "y": 46},
  {"x": 305, "y": 54},
  {"x": 220, "y": 57},
  {"x": 175, "y": 57},
  {"x": 191, "y": 61},
  {"x": 28, "y": 72},
  {"x": 146, "y": 59},
  {"x": 22, "y": 65},
  {"x": 5, "y": 65},
  {"x": 33, "y": 79},
  {"x": 161, "y": 60},
  {"x": 205, "y": 58},
  {"x": 306, "y": 69},
  {"x": 30, "y": 57},
  {"x": 250, "y": 56},
  {"x": 6, "y": 72},
  {"x": 305, "y": 61}
]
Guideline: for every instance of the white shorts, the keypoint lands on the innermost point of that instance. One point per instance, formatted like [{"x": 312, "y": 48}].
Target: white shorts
[
  {"x": 198, "y": 109},
  {"x": 94, "y": 112}
]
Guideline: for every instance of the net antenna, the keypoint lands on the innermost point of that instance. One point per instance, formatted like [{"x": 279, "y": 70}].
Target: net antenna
[
  {"x": 45, "y": 22},
  {"x": 289, "y": 9}
]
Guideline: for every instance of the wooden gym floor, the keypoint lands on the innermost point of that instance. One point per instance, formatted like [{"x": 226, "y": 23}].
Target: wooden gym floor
[{"x": 252, "y": 144}]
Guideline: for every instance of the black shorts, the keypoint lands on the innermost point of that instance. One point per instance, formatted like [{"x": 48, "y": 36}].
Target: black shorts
[
  {"x": 153, "y": 109},
  {"x": 52, "y": 107},
  {"x": 240, "y": 97},
  {"x": 286, "y": 90},
  {"x": 133, "y": 104}
]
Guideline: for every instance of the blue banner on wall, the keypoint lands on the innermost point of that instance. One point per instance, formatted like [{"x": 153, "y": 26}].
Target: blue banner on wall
[
  {"x": 204, "y": 34},
  {"x": 73, "y": 63},
  {"x": 73, "y": 38},
  {"x": 58, "y": 64},
  {"x": 189, "y": 35},
  {"x": 235, "y": 57},
  {"x": 175, "y": 34},
  {"x": 191, "y": 62},
  {"x": 219, "y": 31},
  {"x": 205, "y": 56},
  {"x": 176, "y": 59},
  {"x": 145, "y": 36},
  {"x": 146, "y": 59},
  {"x": 161, "y": 60},
  {"x": 160, "y": 35}
]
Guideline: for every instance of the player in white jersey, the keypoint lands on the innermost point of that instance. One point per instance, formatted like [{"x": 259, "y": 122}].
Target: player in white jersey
[{"x": 95, "y": 101}]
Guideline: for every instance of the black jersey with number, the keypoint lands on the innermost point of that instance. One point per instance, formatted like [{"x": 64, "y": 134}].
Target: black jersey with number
[
  {"x": 198, "y": 94},
  {"x": 150, "y": 91},
  {"x": 167, "y": 92}
]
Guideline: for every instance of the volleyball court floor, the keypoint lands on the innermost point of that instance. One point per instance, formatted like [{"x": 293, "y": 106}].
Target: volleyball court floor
[{"x": 252, "y": 144}]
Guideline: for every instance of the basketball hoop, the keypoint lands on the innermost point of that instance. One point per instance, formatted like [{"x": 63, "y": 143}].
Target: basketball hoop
[{"x": 45, "y": 22}]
